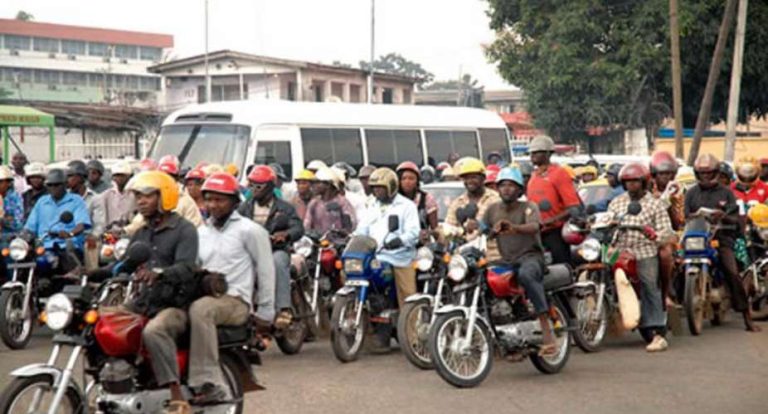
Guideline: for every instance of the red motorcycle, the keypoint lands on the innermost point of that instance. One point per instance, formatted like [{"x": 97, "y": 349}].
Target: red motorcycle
[{"x": 121, "y": 377}]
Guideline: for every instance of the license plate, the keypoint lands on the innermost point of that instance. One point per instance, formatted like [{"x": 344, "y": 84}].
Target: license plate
[{"x": 356, "y": 282}]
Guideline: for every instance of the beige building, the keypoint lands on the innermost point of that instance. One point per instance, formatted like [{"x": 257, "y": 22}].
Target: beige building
[{"x": 243, "y": 76}]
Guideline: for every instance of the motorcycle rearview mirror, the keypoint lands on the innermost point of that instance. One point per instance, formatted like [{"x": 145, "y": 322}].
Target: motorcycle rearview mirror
[
  {"x": 634, "y": 208},
  {"x": 66, "y": 217},
  {"x": 471, "y": 210},
  {"x": 394, "y": 223}
]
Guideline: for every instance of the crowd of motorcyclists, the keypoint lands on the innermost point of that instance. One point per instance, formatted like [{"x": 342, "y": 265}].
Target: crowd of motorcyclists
[{"x": 221, "y": 252}]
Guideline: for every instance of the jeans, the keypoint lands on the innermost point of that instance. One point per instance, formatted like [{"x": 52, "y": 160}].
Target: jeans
[
  {"x": 557, "y": 247},
  {"x": 530, "y": 275},
  {"x": 652, "y": 310},
  {"x": 160, "y": 336},
  {"x": 282, "y": 279}
]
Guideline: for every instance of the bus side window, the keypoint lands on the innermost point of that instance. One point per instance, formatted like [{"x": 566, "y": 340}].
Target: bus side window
[
  {"x": 494, "y": 140},
  {"x": 331, "y": 145},
  {"x": 440, "y": 144},
  {"x": 388, "y": 147},
  {"x": 268, "y": 152}
]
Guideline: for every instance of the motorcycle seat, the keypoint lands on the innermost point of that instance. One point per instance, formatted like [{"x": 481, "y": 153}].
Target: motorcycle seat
[
  {"x": 557, "y": 276},
  {"x": 229, "y": 335}
]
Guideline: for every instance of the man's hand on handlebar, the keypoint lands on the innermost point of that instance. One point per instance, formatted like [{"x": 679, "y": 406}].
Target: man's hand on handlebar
[
  {"x": 145, "y": 275},
  {"x": 393, "y": 244},
  {"x": 279, "y": 237},
  {"x": 64, "y": 234}
]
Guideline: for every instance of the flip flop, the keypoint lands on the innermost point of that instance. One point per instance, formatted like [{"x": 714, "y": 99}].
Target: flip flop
[{"x": 548, "y": 350}]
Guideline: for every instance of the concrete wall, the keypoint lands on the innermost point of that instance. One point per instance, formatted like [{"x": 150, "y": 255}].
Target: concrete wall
[{"x": 745, "y": 147}]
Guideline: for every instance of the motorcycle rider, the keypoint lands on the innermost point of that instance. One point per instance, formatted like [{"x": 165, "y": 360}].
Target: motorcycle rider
[
  {"x": 612, "y": 176},
  {"x": 316, "y": 165},
  {"x": 303, "y": 196},
  {"x": 45, "y": 217},
  {"x": 748, "y": 188},
  {"x": 491, "y": 172},
  {"x": 320, "y": 218},
  {"x": 635, "y": 177},
  {"x": 472, "y": 172},
  {"x": 35, "y": 175},
  {"x": 514, "y": 225},
  {"x": 115, "y": 205},
  {"x": 284, "y": 226},
  {"x": 19, "y": 162},
  {"x": 363, "y": 175},
  {"x": 12, "y": 205},
  {"x": 95, "y": 177},
  {"x": 726, "y": 175},
  {"x": 193, "y": 184},
  {"x": 169, "y": 276},
  {"x": 710, "y": 193},
  {"x": 234, "y": 249},
  {"x": 409, "y": 176},
  {"x": 77, "y": 175},
  {"x": 552, "y": 189}
]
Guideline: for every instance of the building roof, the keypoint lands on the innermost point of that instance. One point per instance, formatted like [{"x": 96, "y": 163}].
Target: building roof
[
  {"x": 297, "y": 64},
  {"x": 88, "y": 34}
]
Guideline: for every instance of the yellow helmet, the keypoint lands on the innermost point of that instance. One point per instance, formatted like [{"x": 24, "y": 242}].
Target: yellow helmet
[
  {"x": 231, "y": 169},
  {"x": 151, "y": 181},
  {"x": 469, "y": 165},
  {"x": 305, "y": 175},
  {"x": 758, "y": 214},
  {"x": 589, "y": 169}
]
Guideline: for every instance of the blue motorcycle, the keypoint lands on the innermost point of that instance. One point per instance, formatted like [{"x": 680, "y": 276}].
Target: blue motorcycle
[
  {"x": 704, "y": 294},
  {"x": 368, "y": 298}
]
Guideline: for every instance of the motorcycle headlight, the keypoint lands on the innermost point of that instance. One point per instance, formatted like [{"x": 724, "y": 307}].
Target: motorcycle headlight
[
  {"x": 695, "y": 243},
  {"x": 763, "y": 234},
  {"x": 18, "y": 249},
  {"x": 424, "y": 259},
  {"x": 590, "y": 250},
  {"x": 353, "y": 266},
  {"x": 58, "y": 311},
  {"x": 457, "y": 268},
  {"x": 121, "y": 247},
  {"x": 304, "y": 246}
]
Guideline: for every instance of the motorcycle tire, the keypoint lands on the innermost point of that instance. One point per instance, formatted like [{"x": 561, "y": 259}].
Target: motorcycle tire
[
  {"x": 12, "y": 301},
  {"x": 438, "y": 333},
  {"x": 693, "y": 303},
  {"x": 413, "y": 340},
  {"x": 760, "y": 309},
  {"x": 23, "y": 385},
  {"x": 555, "y": 363},
  {"x": 590, "y": 341},
  {"x": 231, "y": 371},
  {"x": 291, "y": 338},
  {"x": 342, "y": 348}
]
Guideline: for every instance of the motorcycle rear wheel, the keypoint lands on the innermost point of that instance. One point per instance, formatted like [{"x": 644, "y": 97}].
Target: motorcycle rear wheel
[
  {"x": 694, "y": 302},
  {"x": 555, "y": 363},
  {"x": 14, "y": 331},
  {"x": 450, "y": 364},
  {"x": 12, "y": 400},
  {"x": 292, "y": 338},
  {"x": 413, "y": 333},
  {"x": 231, "y": 372},
  {"x": 347, "y": 345}
]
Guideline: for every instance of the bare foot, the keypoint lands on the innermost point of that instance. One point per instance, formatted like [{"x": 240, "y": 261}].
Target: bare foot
[{"x": 750, "y": 324}]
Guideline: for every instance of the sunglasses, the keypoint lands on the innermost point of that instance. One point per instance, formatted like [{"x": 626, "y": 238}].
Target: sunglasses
[{"x": 54, "y": 185}]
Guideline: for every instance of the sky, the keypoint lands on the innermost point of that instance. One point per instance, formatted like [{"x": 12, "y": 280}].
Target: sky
[{"x": 445, "y": 36}]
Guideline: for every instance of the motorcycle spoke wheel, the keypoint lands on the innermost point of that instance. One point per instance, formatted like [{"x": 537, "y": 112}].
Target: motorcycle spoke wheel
[
  {"x": 464, "y": 364},
  {"x": 695, "y": 303},
  {"x": 35, "y": 395},
  {"x": 16, "y": 331},
  {"x": 592, "y": 326},
  {"x": 346, "y": 338},
  {"x": 413, "y": 333}
]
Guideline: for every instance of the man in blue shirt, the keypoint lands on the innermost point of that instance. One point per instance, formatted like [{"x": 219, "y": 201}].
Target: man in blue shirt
[
  {"x": 45, "y": 217},
  {"x": 13, "y": 206}
]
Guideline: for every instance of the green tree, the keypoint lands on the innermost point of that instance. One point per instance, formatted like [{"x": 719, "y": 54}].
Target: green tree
[
  {"x": 396, "y": 64},
  {"x": 22, "y": 15},
  {"x": 586, "y": 63}
]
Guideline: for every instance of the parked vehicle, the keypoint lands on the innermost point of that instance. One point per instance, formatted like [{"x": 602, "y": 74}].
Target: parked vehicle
[{"x": 756, "y": 274}]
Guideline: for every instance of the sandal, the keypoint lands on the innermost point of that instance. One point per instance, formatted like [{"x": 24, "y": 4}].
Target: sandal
[
  {"x": 283, "y": 320},
  {"x": 178, "y": 407},
  {"x": 547, "y": 350}
]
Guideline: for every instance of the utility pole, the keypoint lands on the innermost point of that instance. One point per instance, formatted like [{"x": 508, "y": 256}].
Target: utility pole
[
  {"x": 207, "y": 75},
  {"x": 714, "y": 72},
  {"x": 735, "y": 94},
  {"x": 373, "y": 38},
  {"x": 677, "y": 87}
]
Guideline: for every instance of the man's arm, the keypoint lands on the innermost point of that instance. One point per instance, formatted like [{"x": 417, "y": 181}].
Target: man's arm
[
  {"x": 346, "y": 208},
  {"x": 532, "y": 220},
  {"x": 731, "y": 209},
  {"x": 184, "y": 256},
  {"x": 258, "y": 246},
  {"x": 411, "y": 227},
  {"x": 295, "y": 226},
  {"x": 82, "y": 217}
]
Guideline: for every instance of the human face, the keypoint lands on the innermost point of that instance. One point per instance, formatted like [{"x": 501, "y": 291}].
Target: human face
[
  {"x": 588, "y": 177},
  {"x": 706, "y": 178},
  {"x": 366, "y": 187},
  {"x": 18, "y": 161},
  {"x": 121, "y": 180},
  {"x": 56, "y": 190},
  {"x": 94, "y": 177},
  {"x": 634, "y": 187},
  {"x": 304, "y": 188},
  {"x": 5, "y": 185},
  {"x": 724, "y": 179},
  {"x": 35, "y": 182},
  {"x": 260, "y": 190},
  {"x": 509, "y": 191},
  {"x": 194, "y": 187},
  {"x": 148, "y": 204},
  {"x": 539, "y": 158},
  {"x": 74, "y": 181},
  {"x": 380, "y": 193},
  {"x": 663, "y": 179},
  {"x": 220, "y": 206},
  {"x": 473, "y": 182},
  {"x": 320, "y": 187},
  {"x": 409, "y": 182}
]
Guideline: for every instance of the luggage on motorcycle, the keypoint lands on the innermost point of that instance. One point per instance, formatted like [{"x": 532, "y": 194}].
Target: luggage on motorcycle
[
  {"x": 557, "y": 276},
  {"x": 629, "y": 306}
]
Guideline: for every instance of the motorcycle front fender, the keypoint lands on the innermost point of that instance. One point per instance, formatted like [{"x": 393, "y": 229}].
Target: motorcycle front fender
[
  {"x": 247, "y": 376},
  {"x": 444, "y": 310},
  {"x": 43, "y": 369},
  {"x": 12, "y": 285},
  {"x": 418, "y": 297}
]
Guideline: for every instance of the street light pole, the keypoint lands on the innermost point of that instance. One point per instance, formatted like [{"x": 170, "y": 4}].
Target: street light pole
[
  {"x": 373, "y": 34},
  {"x": 735, "y": 93},
  {"x": 207, "y": 75}
]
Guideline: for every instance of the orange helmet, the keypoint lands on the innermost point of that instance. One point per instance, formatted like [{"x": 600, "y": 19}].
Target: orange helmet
[{"x": 148, "y": 182}]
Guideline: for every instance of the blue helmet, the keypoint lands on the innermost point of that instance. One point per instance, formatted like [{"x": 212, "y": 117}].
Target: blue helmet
[{"x": 510, "y": 173}]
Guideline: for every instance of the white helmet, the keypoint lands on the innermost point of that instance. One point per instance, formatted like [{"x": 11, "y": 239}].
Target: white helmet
[
  {"x": 34, "y": 169},
  {"x": 5, "y": 173},
  {"x": 341, "y": 174},
  {"x": 541, "y": 143},
  {"x": 121, "y": 167},
  {"x": 327, "y": 174},
  {"x": 316, "y": 165}
]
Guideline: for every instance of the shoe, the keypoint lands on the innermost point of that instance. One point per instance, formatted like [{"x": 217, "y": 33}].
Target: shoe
[
  {"x": 209, "y": 394},
  {"x": 658, "y": 344}
]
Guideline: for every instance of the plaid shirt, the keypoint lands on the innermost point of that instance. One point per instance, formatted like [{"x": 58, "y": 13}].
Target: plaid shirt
[
  {"x": 489, "y": 197},
  {"x": 654, "y": 214}
]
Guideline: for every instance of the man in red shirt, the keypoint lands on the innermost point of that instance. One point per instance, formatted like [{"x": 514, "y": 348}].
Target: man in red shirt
[
  {"x": 551, "y": 188},
  {"x": 748, "y": 188}
]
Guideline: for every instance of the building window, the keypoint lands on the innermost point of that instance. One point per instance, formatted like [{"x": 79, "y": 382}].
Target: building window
[
  {"x": 75, "y": 78},
  {"x": 406, "y": 96},
  {"x": 97, "y": 80},
  {"x": 73, "y": 47},
  {"x": 440, "y": 144},
  {"x": 318, "y": 90},
  {"x": 388, "y": 148},
  {"x": 48, "y": 77},
  {"x": 495, "y": 140},
  {"x": 388, "y": 96},
  {"x": 354, "y": 93},
  {"x": 149, "y": 83},
  {"x": 18, "y": 42},
  {"x": 44, "y": 44},
  {"x": 331, "y": 145},
  {"x": 291, "y": 91},
  {"x": 150, "y": 53},
  {"x": 268, "y": 152},
  {"x": 126, "y": 52},
  {"x": 132, "y": 82},
  {"x": 21, "y": 75},
  {"x": 98, "y": 49}
]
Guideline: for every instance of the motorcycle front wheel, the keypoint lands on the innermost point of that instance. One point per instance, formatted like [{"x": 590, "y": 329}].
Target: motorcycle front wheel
[
  {"x": 34, "y": 395},
  {"x": 413, "y": 333},
  {"x": 591, "y": 326},
  {"x": 554, "y": 363},
  {"x": 346, "y": 336},
  {"x": 460, "y": 368},
  {"x": 15, "y": 330},
  {"x": 694, "y": 302}
]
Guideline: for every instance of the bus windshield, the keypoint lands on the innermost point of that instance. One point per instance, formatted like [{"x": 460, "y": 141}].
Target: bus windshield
[{"x": 218, "y": 144}]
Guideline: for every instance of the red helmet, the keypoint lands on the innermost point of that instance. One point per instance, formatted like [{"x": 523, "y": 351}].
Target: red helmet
[
  {"x": 635, "y": 171},
  {"x": 195, "y": 174},
  {"x": 262, "y": 174},
  {"x": 662, "y": 162},
  {"x": 408, "y": 166},
  {"x": 147, "y": 164},
  {"x": 492, "y": 168},
  {"x": 169, "y": 164},
  {"x": 490, "y": 176},
  {"x": 222, "y": 183},
  {"x": 572, "y": 234}
]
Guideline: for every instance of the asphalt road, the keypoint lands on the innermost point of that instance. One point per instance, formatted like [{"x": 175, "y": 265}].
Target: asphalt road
[{"x": 723, "y": 371}]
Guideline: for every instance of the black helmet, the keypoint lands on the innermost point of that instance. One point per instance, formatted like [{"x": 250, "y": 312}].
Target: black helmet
[
  {"x": 95, "y": 165},
  {"x": 428, "y": 174},
  {"x": 614, "y": 170},
  {"x": 727, "y": 170},
  {"x": 55, "y": 176},
  {"x": 350, "y": 170},
  {"x": 77, "y": 167},
  {"x": 279, "y": 172}
]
